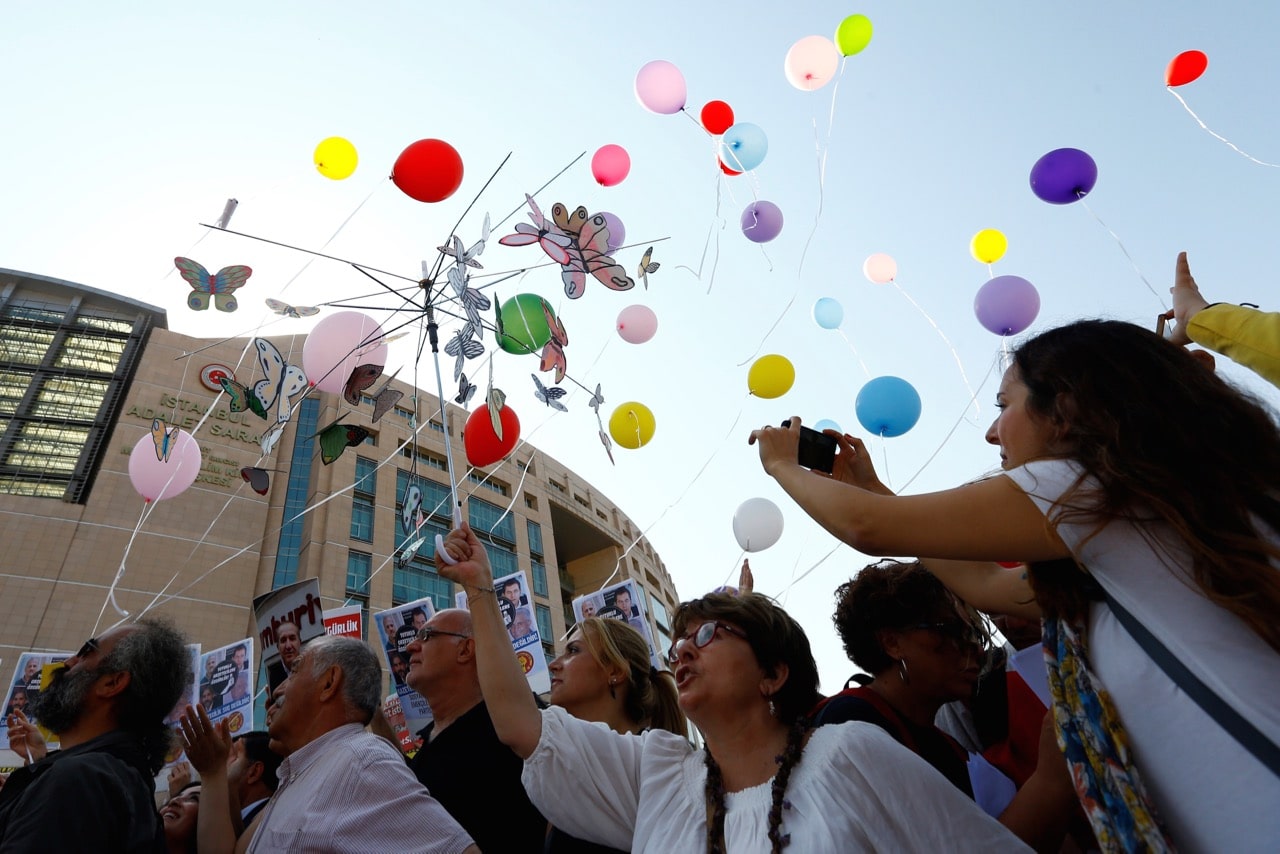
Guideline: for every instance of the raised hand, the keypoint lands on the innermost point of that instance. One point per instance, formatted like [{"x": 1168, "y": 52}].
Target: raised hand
[
  {"x": 207, "y": 744},
  {"x": 25, "y": 739},
  {"x": 470, "y": 562}
]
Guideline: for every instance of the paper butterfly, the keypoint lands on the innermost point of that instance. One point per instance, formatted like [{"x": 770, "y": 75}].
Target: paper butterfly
[
  {"x": 608, "y": 445},
  {"x": 647, "y": 267},
  {"x": 553, "y": 352},
  {"x": 164, "y": 439},
  {"x": 472, "y": 301},
  {"x": 241, "y": 397},
  {"x": 411, "y": 509},
  {"x": 495, "y": 400},
  {"x": 218, "y": 286},
  {"x": 553, "y": 241},
  {"x": 596, "y": 401},
  {"x": 257, "y": 479},
  {"x": 336, "y": 438},
  {"x": 280, "y": 382},
  {"x": 466, "y": 390},
  {"x": 361, "y": 378},
  {"x": 466, "y": 258},
  {"x": 589, "y": 256},
  {"x": 463, "y": 346},
  {"x": 386, "y": 398},
  {"x": 549, "y": 396},
  {"x": 291, "y": 310}
]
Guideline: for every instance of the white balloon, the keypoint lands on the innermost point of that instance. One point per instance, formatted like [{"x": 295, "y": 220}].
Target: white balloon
[{"x": 757, "y": 524}]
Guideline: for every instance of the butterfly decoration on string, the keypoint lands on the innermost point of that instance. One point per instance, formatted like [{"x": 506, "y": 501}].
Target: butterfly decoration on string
[
  {"x": 164, "y": 437},
  {"x": 463, "y": 346},
  {"x": 411, "y": 517},
  {"x": 588, "y": 252},
  {"x": 216, "y": 287},
  {"x": 553, "y": 351},
  {"x": 363, "y": 377},
  {"x": 242, "y": 398},
  {"x": 337, "y": 437},
  {"x": 647, "y": 266},
  {"x": 495, "y": 399},
  {"x": 472, "y": 301},
  {"x": 554, "y": 242},
  {"x": 385, "y": 398},
  {"x": 466, "y": 391},
  {"x": 283, "y": 308},
  {"x": 596, "y": 401},
  {"x": 258, "y": 479},
  {"x": 280, "y": 381},
  {"x": 549, "y": 396}
]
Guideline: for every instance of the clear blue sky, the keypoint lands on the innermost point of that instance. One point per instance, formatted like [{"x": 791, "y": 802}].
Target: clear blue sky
[{"x": 125, "y": 128}]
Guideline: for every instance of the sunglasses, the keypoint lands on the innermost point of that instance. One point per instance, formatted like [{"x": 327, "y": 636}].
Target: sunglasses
[
  {"x": 956, "y": 631},
  {"x": 702, "y": 636},
  {"x": 90, "y": 647},
  {"x": 426, "y": 633}
]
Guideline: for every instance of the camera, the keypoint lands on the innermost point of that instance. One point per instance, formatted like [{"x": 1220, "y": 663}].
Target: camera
[{"x": 817, "y": 450}]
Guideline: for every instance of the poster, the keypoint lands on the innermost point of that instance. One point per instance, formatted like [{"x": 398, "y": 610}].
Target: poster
[
  {"x": 226, "y": 685},
  {"x": 346, "y": 621},
  {"x": 394, "y": 713},
  {"x": 188, "y": 698},
  {"x": 518, "y": 616},
  {"x": 287, "y": 618},
  {"x": 619, "y": 602},
  {"x": 396, "y": 628},
  {"x": 24, "y": 687}
]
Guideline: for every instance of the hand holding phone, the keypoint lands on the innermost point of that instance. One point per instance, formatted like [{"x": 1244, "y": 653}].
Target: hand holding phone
[{"x": 817, "y": 450}]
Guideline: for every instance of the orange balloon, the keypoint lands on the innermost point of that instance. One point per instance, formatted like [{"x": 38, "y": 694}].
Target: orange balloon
[{"x": 1185, "y": 67}]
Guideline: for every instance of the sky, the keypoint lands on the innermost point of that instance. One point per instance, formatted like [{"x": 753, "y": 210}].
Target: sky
[{"x": 128, "y": 125}]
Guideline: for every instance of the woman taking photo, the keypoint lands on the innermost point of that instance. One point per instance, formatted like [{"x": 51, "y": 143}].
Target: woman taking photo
[
  {"x": 1138, "y": 486},
  {"x": 746, "y": 678}
]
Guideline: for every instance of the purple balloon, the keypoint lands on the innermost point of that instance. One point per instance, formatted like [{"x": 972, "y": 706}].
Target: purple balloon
[
  {"x": 617, "y": 233},
  {"x": 761, "y": 222},
  {"x": 1063, "y": 176},
  {"x": 1006, "y": 305}
]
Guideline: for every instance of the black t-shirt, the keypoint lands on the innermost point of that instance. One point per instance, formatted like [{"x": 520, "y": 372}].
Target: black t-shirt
[
  {"x": 476, "y": 778},
  {"x": 929, "y": 743}
]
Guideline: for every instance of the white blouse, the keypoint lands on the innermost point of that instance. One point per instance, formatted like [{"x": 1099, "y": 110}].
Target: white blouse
[{"x": 854, "y": 789}]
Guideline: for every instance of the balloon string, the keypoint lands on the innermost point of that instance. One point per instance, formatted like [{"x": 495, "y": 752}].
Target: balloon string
[
  {"x": 1129, "y": 257},
  {"x": 332, "y": 237},
  {"x": 884, "y": 455},
  {"x": 806, "y": 573},
  {"x": 955, "y": 426},
  {"x": 795, "y": 567},
  {"x": 111, "y": 591},
  {"x": 1218, "y": 136},
  {"x": 945, "y": 339},
  {"x": 736, "y": 564},
  {"x": 856, "y": 355}
]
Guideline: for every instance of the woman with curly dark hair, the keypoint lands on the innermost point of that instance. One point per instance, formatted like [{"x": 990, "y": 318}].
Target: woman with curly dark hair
[{"x": 1139, "y": 487}]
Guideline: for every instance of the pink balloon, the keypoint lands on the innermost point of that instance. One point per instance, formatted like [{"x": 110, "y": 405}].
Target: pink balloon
[
  {"x": 811, "y": 63},
  {"x": 156, "y": 479},
  {"x": 660, "y": 87},
  {"x": 617, "y": 231},
  {"x": 761, "y": 221},
  {"x": 338, "y": 345},
  {"x": 880, "y": 268},
  {"x": 637, "y": 324},
  {"x": 610, "y": 164}
]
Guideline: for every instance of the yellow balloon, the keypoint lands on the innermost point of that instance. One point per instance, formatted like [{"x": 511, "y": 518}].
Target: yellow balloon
[
  {"x": 988, "y": 245},
  {"x": 336, "y": 158},
  {"x": 631, "y": 425},
  {"x": 771, "y": 376}
]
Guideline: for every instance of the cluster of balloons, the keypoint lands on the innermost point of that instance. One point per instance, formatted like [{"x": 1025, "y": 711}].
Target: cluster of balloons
[
  {"x": 813, "y": 61},
  {"x": 339, "y": 344}
]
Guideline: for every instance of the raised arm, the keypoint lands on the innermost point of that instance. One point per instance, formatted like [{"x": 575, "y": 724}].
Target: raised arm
[
  {"x": 506, "y": 692},
  {"x": 207, "y": 746}
]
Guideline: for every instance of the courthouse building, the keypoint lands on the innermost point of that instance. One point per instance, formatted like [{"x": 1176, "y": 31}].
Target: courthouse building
[{"x": 83, "y": 374}]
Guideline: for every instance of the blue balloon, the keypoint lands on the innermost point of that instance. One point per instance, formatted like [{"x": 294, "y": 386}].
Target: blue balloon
[
  {"x": 828, "y": 313},
  {"x": 827, "y": 424},
  {"x": 743, "y": 147},
  {"x": 888, "y": 406}
]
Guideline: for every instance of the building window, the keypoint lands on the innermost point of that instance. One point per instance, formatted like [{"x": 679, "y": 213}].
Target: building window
[
  {"x": 535, "y": 537},
  {"x": 366, "y": 476},
  {"x": 416, "y": 581},
  {"x": 295, "y": 499},
  {"x": 502, "y": 559},
  {"x": 488, "y": 483},
  {"x": 492, "y": 519},
  {"x": 359, "y": 566},
  {"x": 558, "y": 487},
  {"x": 531, "y": 503},
  {"x": 660, "y": 613},
  {"x": 539, "y": 577},
  {"x": 436, "y": 426},
  {"x": 543, "y": 615},
  {"x": 362, "y": 518}
]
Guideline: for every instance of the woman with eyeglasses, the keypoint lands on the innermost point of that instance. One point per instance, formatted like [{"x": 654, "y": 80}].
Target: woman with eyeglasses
[{"x": 746, "y": 678}]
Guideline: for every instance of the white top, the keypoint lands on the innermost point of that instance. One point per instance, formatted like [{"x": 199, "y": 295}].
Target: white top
[
  {"x": 350, "y": 790},
  {"x": 854, "y": 789},
  {"x": 1212, "y": 794}
]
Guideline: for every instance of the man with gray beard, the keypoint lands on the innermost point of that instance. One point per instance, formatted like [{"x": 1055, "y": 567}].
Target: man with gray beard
[{"x": 107, "y": 705}]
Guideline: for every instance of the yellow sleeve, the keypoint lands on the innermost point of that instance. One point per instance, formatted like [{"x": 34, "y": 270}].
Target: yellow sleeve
[{"x": 1244, "y": 335}]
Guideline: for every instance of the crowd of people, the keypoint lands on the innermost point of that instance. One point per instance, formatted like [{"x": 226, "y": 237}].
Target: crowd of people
[{"x": 1131, "y": 536}]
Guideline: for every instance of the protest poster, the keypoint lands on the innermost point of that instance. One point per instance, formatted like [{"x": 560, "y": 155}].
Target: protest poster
[
  {"x": 345, "y": 621},
  {"x": 393, "y": 711},
  {"x": 526, "y": 640},
  {"x": 287, "y": 618},
  {"x": 28, "y": 677},
  {"x": 396, "y": 628},
  {"x": 188, "y": 698},
  {"x": 226, "y": 685},
  {"x": 619, "y": 602}
]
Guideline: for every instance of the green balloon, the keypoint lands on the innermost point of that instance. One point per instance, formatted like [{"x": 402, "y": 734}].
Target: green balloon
[
  {"x": 522, "y": 324},
  {"x": 853, "y": 34}
]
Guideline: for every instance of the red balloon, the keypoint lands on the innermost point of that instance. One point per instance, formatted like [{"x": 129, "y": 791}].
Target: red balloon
[
  {"x": 717, "y": 117},
  {"x": 429, "y": 170},
  {"x": 484, "y": 448},
  {"x": 1009, "y": 564},
  {"x": 725, "y": 169},
  {"x": 1185, "y": 67}
]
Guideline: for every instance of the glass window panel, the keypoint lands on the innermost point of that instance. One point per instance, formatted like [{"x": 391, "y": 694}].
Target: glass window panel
[
  {"x": 106, "y": 324},
  {"x": 366, "y": 475},
  {"x": 358, "y": 566},
  {"x": 535, "y": 537},
  {"x": 543, "y": 614},
  {"x": 539, "y": 577},
  {"x": 485, "y": 517},
  {"x": 502, "y": 559},
  {"x": 88, "y": 352},
  {"x": 25, "y": 346},
  {"x": 362, "y": 518}
]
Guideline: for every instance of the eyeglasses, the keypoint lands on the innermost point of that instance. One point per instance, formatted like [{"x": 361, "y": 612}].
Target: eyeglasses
[
  {"x": 426, "y": 633},
  {"x": 90, "y": 647},
  {"x": 956, "y": 631},
  {"x": 702, "y": 636}
]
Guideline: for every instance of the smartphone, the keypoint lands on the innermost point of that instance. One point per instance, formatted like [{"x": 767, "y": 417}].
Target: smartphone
[
  {"x": 1164, "y": 328},
  {"x": 817, "y": 450}
]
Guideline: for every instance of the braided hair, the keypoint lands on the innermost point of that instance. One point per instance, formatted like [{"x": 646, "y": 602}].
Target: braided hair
[{"x": 787, "y": 761}]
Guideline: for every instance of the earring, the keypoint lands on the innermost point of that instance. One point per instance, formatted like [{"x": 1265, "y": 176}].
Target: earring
[
  {"x": 902, "y": 671},
  {"x": 612, "y": 692},
  {"x": 773, "y": 710}
]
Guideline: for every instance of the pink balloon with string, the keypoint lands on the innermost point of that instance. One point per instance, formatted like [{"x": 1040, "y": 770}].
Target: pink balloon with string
[
  {"x": 637, "y": 324},
  {"x": 880, "y": 268}
]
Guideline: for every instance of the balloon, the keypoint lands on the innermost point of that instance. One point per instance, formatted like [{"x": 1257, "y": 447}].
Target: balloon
[
  {"x": 155, "y": 479},
  {"x": 484, "y": 448},
  {"x": 887, "y": 406},
  {"x": 429, "y": 170},
  {"x": 988, "y": 246},
  {"x": 1006, "y": 305},
  {"x": 1009, "y": 564},
  {"x": 717, "y": 117},
  {"x": 725, "y": 169},
  {"x": 1185, "y": 67},
  {"x": 637, "y": 324},
  {"x": 524, "y": 324},
  {"x": 828, "y": 313},
  {"x": 880, "y": 268},
  {"x": 853, "y": 34},
  {"x": 335, "y": 157},
  {"x": 757, "y": 524},
  {"x": 610, "y": 164},
  {"x": 1063, "y": 176},
  {"x": 660, "y": 87},
  {"x": 617, "y": 231},
  {"x": 743, "y": 146},
  {"x": 338, "y": 345},
  {"x": 827, "y": 424},
  {"x": 761, "y": 221},
  {"x": 811, "y": 63},
  {"x": 771, "y": 376},
  {"x": 631, "y": 425}
]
